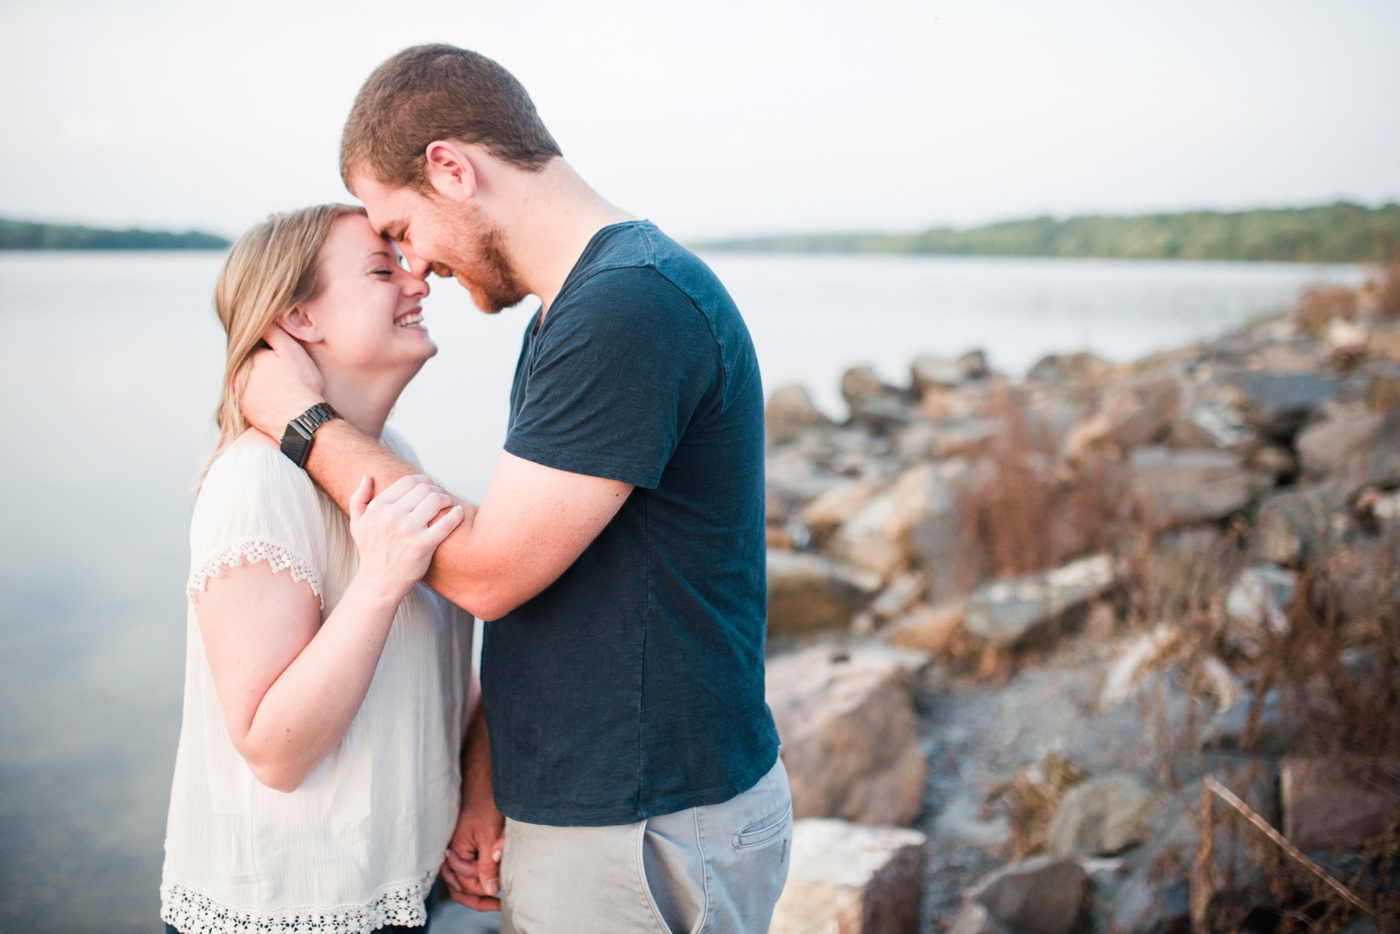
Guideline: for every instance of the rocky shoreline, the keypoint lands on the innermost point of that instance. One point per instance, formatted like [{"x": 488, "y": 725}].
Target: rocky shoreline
[{"x": 1107, "y": 648}]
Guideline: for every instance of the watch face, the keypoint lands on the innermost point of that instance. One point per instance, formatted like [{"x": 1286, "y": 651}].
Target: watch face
[{"x": 296, "y": 443}]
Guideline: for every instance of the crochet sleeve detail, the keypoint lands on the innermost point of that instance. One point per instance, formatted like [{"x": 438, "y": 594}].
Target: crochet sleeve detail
[{"x": 252, "y": 551}]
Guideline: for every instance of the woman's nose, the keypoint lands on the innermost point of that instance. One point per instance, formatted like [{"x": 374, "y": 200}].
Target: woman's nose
[{"x": 416, "y": 283}]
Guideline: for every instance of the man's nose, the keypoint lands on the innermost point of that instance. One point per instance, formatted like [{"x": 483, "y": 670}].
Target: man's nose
[{"x": 417, "y": 266}]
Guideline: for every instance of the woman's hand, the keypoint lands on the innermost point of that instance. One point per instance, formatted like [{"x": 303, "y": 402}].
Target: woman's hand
[{"x": 395, "y": 532}]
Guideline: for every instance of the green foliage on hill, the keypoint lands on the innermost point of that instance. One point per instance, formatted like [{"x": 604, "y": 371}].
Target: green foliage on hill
[
  {"x": 23, "y": 235},
  {"x": 1334, "y": 233}
]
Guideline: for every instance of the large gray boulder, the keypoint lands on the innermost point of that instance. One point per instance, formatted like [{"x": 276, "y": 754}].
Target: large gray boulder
[
  {"x": 849, "y": 734},
  {"x": 1135, "y": 414},
  {"x": 1278, "y": 404},
  {"x": 1337, "y": 443},
  {"x": 1008, "y": 612},
  {"x": 833, "y": 508},
  {"x": 872, "y": 538},
  {"x": 1181, "y": 487},
  {"x": 850, "y": 879},
  {"x": 929, "y": 510},
  {"x": 807, "y": 593},
  {"x": 1041, "y": 895},
  {"x": 1101, "y": 816},
  {"x": 1304, "y": 524}
]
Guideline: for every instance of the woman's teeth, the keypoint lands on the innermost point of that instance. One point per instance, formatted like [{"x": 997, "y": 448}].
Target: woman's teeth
[{"x": 409, "y": 320}]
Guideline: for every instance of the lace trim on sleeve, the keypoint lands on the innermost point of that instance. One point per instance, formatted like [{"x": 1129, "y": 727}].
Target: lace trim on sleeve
[
  {"x": 251, "y": 551},
  {"x": 194, "y": 912}
]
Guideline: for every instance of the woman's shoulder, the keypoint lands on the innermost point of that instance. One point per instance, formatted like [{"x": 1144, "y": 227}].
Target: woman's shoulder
[{"x": 253, "y": 466}]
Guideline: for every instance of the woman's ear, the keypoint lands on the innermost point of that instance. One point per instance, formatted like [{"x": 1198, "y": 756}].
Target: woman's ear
[{"x": 300, "y": 325}]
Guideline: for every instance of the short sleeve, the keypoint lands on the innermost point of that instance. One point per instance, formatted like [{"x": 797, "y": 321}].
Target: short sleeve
[
  {"x": 257, "y": 506},
  {"x": 614, "y": 378}
]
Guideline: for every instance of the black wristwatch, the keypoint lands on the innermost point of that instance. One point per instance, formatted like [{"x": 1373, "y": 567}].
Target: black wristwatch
[{"x": 296, "y": 440}]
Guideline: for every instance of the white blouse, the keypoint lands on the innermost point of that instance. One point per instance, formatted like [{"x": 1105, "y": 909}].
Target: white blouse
[{"x": 358, "y": 845}]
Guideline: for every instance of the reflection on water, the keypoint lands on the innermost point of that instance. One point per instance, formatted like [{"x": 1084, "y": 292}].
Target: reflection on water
[{"x": 109, "y": 370}]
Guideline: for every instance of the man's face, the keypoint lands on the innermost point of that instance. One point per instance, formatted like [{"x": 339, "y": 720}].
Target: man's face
[{"x": 449, "y": 240}]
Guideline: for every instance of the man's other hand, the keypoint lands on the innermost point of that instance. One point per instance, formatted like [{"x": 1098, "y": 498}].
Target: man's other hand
[{"x": 282, "y": 383}]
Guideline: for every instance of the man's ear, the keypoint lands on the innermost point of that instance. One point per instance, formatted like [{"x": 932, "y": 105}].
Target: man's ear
[
  {"x": 300, "y": 325},
  {"x": 450, "y": 170}
]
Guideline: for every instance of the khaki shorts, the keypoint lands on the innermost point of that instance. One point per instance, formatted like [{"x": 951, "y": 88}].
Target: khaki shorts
[{"x": 718, "y": 868}]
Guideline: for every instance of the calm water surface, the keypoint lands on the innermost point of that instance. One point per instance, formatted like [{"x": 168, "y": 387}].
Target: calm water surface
[{"x": 109, "y": 370}]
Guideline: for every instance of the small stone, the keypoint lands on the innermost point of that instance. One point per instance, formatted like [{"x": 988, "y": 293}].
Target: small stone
[
  {"x": 849, "y": 879},
  {"x": 808, "y": 593},
  {"x": 896, "y": 599},
  {"x": 874, "y": 403},
  {"x": 1181, "y": 487},
  {"x": 1258, "y": 602},
  {"x": 1007, "y": 612},
  {"x": 928, "y": 628},
  {"x": 1041, "y": 895},
  {"x": 937, "y": 372},
  {"x": 790, "y": 411},
  {"x": 1338, "y": 803},
  {"x": 1100, "y": 817},
  {"x": 976, "y": 919}
]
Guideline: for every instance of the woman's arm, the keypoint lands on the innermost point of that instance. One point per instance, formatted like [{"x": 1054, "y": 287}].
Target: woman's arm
[{"x": 290, "y": 685}]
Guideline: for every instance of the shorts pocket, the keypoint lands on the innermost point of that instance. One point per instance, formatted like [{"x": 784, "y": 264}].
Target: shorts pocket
[{"x": 766, "y": 828}]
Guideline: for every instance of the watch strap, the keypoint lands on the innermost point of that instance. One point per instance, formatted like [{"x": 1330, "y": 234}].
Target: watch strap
[{"x": 296, "y": 440}]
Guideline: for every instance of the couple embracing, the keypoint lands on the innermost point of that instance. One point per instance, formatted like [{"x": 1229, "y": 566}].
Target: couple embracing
[{"x": 618, "y": 769}]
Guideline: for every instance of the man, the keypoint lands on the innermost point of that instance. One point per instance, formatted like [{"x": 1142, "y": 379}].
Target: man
[{"x": 619, "y": 550}]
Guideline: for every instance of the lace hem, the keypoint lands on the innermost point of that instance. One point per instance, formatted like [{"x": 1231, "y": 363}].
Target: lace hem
[
  {"x": 193, "y": 912},
  {"x": 252, "y": 551}
]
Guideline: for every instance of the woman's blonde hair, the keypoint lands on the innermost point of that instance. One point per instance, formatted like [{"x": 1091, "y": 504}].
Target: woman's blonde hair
[{"x": 270, "y": 270}]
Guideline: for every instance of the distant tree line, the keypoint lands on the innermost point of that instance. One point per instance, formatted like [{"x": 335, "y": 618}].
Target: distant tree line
[
  {"x": 1334, "y": 233},
  {"x": 24, "y": 235}
]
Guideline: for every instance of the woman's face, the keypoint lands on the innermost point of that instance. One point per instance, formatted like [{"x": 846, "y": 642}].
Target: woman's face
[{"x": 368, "y": 316}]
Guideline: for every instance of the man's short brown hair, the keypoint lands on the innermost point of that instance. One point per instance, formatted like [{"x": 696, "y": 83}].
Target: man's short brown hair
[{"x": 433, "y": 92}]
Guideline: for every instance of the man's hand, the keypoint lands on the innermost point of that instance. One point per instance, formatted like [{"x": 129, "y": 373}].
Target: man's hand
[
  {"x": 282, "y": 383},
  {"x": 472, "y": 866}
]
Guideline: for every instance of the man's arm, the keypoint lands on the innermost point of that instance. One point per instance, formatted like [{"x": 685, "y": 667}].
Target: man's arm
[{"x": 533, "y": 524}]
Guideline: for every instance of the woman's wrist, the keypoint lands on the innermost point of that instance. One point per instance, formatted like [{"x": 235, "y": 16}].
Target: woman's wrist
[{"x": 376, "y": 592}]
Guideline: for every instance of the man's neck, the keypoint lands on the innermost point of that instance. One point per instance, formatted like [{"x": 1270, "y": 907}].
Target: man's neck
[{"x": 547, "y": 219}]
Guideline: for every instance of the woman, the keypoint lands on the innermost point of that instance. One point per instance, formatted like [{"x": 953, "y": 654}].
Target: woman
[{"x": 326, "y": 691}]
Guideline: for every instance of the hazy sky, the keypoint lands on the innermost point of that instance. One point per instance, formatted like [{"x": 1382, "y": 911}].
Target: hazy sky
[{"x": 724, "y": 116}]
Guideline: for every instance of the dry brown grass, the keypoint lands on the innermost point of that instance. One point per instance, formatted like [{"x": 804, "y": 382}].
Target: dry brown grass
[
  {"x": 1388, "y": 291},
  {"x": 1322, "y": 304},
  {"x": 1034, "y": 512}
]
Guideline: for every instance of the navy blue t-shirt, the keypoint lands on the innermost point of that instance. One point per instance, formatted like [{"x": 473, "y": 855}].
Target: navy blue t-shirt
[{"x": 633, "y": 685}]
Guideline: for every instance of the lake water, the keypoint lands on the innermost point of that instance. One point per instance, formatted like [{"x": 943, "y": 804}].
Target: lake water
[{"x": 109, "y": 370}]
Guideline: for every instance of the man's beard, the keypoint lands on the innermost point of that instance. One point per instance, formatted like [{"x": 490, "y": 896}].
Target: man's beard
[{"x": 488, "y": 277}]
